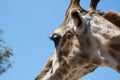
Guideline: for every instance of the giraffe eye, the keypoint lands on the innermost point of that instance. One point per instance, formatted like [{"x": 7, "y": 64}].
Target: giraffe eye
[
  {"x": 69, "y": 34},
  {"x": 56, "y": 38}
]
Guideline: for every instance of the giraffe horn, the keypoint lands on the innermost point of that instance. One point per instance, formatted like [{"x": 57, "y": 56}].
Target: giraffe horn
[
  {"x": 93, "y": 5},
  {"x": 75, "y": 4}
]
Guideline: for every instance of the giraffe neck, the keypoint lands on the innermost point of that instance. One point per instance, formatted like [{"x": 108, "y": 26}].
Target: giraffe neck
[{"x": 106, "y": 36}]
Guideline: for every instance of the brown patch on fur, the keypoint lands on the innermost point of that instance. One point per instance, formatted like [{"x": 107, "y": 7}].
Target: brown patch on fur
[
  {"x": 85, "y": 56},
  {"x": 66, "y": 48},
  {"x": 115, "y": 47},
  {"x": 89, "y": 68},
  {"x": 118, "y": 68},
  {"x": 107, "y": 36},
  {"x": 85, "y": 73},
  {"x": 56, "y": 76},
  {"x": 112, "y": 53},
  {"x": 96, "y": 61},
  {"x": 59, "y": 75},
  {"x": 64, "y": 71},
  {"x": 115, "y": 54}
]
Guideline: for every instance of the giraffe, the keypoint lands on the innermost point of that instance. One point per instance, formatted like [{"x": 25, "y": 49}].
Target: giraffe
[{"x": 69, "y": 42}]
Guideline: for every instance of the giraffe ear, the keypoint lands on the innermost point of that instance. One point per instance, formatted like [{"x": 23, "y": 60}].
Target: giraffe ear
[
  {"x": 75, "y": 15},
  {"x": 77, "y": 19}
]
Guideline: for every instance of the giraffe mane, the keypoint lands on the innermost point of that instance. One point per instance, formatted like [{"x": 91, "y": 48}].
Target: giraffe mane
[{"x": 113, "y": 17}]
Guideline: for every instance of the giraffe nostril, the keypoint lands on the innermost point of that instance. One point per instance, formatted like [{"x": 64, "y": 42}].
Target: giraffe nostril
[{"x": 56, "y": 38}]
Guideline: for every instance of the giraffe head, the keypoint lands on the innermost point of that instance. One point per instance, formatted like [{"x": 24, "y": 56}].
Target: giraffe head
[
  {"x": 74, "y": 45},
  {"x": 68, "y": 52},
  {"x": 71, "y": 18}
]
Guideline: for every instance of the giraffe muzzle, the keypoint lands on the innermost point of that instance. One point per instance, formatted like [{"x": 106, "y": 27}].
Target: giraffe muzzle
[{"x": 55, "y": 38}]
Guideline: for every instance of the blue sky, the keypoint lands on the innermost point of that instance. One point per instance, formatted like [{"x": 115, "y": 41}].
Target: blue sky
[{"x": 27, "y": 25}]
